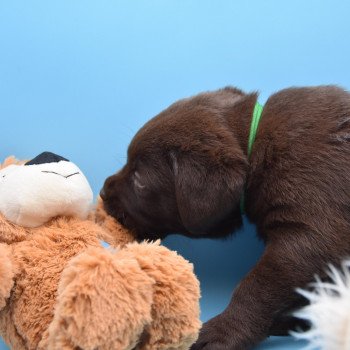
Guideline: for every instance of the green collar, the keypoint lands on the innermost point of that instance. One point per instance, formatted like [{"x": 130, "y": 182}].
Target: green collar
[{"x": 258, "y": 109}]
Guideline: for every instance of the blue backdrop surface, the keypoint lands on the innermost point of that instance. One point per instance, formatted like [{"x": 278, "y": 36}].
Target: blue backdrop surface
[{"x": 80, "y": 77}]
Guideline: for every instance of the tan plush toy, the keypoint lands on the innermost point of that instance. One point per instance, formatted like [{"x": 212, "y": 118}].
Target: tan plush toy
[{"x": 60, "y": 289}]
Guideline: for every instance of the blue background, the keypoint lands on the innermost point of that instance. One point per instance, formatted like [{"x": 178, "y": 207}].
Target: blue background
[{"x": 80, "y": 77}]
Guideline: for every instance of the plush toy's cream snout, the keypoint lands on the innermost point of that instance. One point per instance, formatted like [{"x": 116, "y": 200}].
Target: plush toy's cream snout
[{"x": 43, "y": 188}]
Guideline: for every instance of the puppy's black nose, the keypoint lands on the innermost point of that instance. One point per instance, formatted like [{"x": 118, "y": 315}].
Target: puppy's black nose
[{"x": 103, "y": 194}]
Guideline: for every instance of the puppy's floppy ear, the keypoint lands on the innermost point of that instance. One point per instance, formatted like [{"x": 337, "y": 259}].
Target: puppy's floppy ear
[{"x": 208, "y": 188}]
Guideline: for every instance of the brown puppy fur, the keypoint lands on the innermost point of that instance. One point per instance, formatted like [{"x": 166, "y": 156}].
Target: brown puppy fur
[{"x": 189, "y": 165}]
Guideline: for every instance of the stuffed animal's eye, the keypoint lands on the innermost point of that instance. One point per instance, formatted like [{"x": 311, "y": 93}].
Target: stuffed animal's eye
[{"x": 3, "y": 176}]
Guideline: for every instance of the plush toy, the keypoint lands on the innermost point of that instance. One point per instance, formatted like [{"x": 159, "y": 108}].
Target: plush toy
[
  {"x": 328, "y": 311},
  {"x": 60, "y": 289}
]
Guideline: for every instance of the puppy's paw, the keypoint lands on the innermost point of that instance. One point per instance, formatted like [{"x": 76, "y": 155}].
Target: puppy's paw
[{"x": 217, "y": 334}]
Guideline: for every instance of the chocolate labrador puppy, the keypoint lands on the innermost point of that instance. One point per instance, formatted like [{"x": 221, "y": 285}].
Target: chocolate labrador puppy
[{"x": 188, "y": 169}]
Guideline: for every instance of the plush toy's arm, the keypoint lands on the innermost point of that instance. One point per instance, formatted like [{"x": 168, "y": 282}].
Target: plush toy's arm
[
  {"x": 111, "y": 231},
  {"x": 6, "y": 274},
  {"x": 104, "y": 301},
  {"x": 175, "y": 309}
]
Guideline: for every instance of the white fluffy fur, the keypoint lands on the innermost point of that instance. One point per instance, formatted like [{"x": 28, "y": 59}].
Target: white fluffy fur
[
  {"x": 328, "y": 312},
  {"x": 31, "y": 195}
]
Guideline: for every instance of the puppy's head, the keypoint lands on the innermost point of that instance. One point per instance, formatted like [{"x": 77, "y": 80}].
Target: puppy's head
[{"x": 185, "y": 171}]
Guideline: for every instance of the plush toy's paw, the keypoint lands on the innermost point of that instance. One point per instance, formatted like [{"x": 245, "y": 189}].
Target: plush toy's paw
[
  {"x": 217, "y": 334},
  {"x": 112, "y": 231},
  {"x": 175, "y": 310},
  {"x": 6, "y": 274},
  {"x": 104, "y": 302}
]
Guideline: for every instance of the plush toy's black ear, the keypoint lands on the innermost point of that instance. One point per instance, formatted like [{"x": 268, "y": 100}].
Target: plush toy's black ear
[
  {"x": 208, "y": 191},
  {"x": 46, "y": 157}
]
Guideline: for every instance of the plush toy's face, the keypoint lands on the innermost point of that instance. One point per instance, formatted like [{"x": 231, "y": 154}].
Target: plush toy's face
[{"x": 46, "y": 187}]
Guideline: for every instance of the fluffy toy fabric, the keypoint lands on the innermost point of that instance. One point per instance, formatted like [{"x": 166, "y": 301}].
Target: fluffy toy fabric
[
  {"x": 328, "y": 312},
  {"x": 61, "y": 290}
]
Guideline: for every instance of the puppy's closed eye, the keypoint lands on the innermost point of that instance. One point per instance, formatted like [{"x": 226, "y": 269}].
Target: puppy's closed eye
[{"x": 138, "y": 181}]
